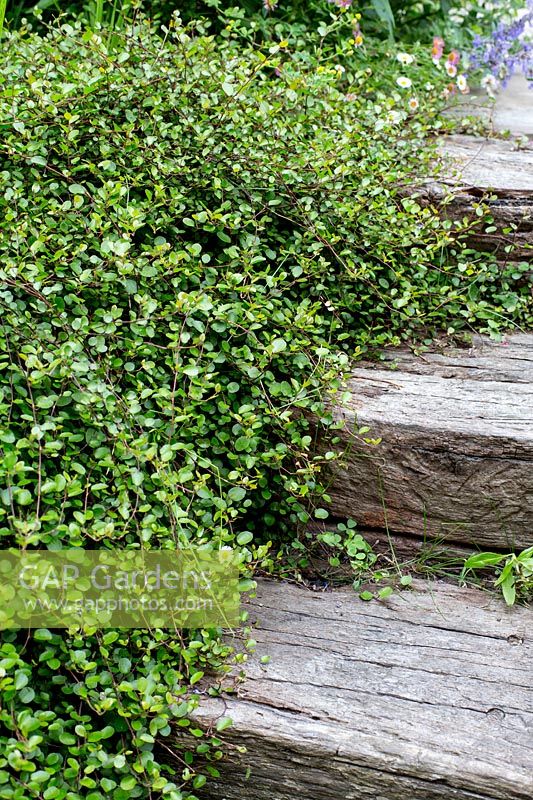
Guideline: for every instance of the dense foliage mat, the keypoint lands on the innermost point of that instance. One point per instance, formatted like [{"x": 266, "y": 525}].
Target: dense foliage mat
[
  {"x": 197, "y": 237},
  {"x": 403, "y": 19}
]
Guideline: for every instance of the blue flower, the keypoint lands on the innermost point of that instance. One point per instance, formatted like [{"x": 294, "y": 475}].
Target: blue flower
[{"x": 506, "y": 51}]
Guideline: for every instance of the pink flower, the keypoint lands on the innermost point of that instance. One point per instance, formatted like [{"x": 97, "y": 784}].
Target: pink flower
[
  {"x": 454, "y": 58},
  {"x": 450, "y": 90},
  {"x": 438, "y": 48}
]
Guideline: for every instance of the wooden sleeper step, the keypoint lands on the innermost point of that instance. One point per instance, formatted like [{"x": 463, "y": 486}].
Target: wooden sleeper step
[
  {"x": 456, "y": 456},
  {"x": 496, "y": 172},
  {"x": 425, "y": 696}
]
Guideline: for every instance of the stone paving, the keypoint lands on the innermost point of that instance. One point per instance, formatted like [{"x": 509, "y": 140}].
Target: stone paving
[{"x": 511, "y": 111}]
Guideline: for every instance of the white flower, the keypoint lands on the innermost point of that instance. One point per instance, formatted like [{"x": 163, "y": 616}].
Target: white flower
[
  {"x": 490, "y": 84},
  {"x": 225, "y": 554},
  {"x": 462, "y": 84},
  {"x": 404, "y": 82},
  {"x": 394, "y": 117},
  {"x": 413, "y": 104},
  {"x": 458, "y": 15},
  {"x": 339, "y": 68},
  {"x": 451, "y": 69},
  {"x": 405, "y": 58}
]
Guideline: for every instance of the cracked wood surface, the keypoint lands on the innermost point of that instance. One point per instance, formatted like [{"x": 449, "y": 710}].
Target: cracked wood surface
[
  {"x": 496, "y": 171},
  {"x": 456, "y": 457},
  {"x": 495, "y": 164},
  {"x": 425, "y": 696}
]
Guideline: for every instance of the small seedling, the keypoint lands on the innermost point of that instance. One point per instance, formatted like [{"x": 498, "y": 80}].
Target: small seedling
[{"x": 514, "y": 572}]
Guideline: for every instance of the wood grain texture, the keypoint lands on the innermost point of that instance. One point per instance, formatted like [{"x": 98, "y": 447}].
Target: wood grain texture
[
  {"x": 425, "y": 696},
  {"x": 495, "y": 171},
  {"x": 456, "y": 457},
  {"x": 494, "y": 164}
]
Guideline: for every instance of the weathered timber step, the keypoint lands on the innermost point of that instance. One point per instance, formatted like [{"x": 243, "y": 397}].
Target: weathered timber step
[
  {"x": 456, "y": 456},
  {"x": 495, "y": 170},
  {"x": 425, "y": 696},
  {"x": 491, "y": 164}
]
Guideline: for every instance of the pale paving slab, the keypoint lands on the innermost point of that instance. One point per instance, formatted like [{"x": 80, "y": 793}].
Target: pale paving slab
[{"x": 511, "y": 110}]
